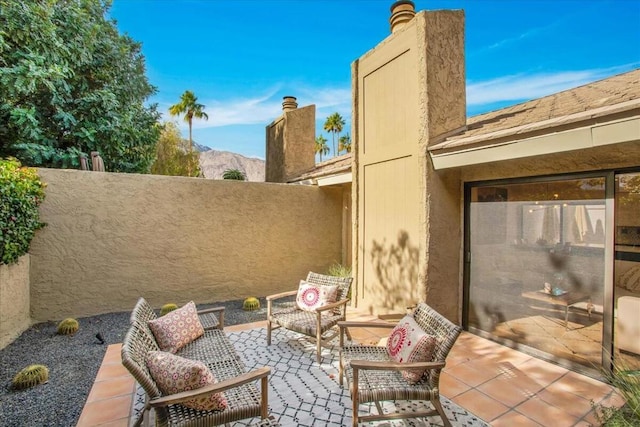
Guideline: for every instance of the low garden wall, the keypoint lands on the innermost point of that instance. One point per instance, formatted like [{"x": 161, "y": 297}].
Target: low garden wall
[
  {"x": 14, "y": 300},
  {"x": 111, "y": 238}
]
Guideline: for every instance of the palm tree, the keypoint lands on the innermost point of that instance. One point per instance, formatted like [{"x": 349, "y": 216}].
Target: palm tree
[
  {"x": 234, "y": 174},
  {"x": 345, "y": 143},
  {"x": 321, "y": 146},
  {"x": 189, "y": 106},
  {"x": 334, "y": 124}
]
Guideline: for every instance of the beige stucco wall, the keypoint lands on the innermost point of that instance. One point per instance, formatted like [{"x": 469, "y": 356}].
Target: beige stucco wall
[
  {"x": 14, "y": 300},
  {"x": 290, "y": 144},
  {"x": 111, "y": 238},
  {"x": 408, "y": 91}
]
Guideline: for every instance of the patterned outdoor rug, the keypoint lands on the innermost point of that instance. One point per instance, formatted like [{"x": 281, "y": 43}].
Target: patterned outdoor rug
[{"x": 303, "y": 393}]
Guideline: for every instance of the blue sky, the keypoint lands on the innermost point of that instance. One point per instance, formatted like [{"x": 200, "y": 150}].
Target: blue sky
[{"x": 241, "y": 57}]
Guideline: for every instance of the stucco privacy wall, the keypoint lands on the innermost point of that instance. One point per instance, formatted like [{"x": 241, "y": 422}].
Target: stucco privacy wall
[
  {"x": 14, "y": 300},
  {"x": 111, "y": 238}
]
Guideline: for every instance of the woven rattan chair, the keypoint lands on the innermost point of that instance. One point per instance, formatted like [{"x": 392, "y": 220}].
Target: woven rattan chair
[
  {"x": 244, "y": 399},
  {"x": 318, "y": 325},
  {"x": 373, "y": 377},
  {"x": 211, "y": 318}
]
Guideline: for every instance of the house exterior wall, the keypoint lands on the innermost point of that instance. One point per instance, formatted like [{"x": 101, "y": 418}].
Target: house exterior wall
[
  {"x": 407, "y": 91},
  {"x": 290, "y": 144},
  {"x": 111, "y": 238},
  {"x": 617, "y": 156},
  {"x": 14, "y": 300}
]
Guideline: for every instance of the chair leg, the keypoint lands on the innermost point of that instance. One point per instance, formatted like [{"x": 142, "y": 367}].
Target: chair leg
[
  {"x": 436, "y": 404},
  {"x": 354, "y": 398},
  {"x": 319, "y": 346},
  {"x": 268, "y": 332}
]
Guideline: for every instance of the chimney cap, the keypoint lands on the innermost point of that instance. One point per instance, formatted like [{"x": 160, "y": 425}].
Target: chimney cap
[
  {"x": 402, "y": 11},
  {"x": 289, "y": 103},
  {"x": 401, "y": 2}
]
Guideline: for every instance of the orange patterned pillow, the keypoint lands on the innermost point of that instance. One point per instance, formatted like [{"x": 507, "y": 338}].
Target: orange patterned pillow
[
  {"x": 177, "y": 328},
  {"x": 174, "y": 374},
  {"x": 408, "y": 342}
]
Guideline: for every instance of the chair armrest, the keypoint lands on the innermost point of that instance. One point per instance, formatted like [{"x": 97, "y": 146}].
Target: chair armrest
[
  {"x": 281, "y": 295},
  {"x": 260, "y": 373},
  {"x": 393, "y": 366},
  {"x": 356, "y": 324},
  {"x": 332, "y": 305},
  {"x": 219, "y": 311},
  {"x": 211, "y": 310}
]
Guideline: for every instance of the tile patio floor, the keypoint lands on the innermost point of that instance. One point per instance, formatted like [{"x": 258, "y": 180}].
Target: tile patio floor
[{"x": 500, "y": 385}]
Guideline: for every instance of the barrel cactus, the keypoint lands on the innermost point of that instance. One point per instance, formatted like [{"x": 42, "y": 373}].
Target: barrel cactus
[
  {"x": 251, "y": 304},
  {"x": 167, "y": 308},
  {"x": 30, "y": 376},
  {"x": 68, "y": 326}
]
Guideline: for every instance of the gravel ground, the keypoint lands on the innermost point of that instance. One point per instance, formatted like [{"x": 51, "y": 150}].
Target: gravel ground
[{"x": 73, "y": 363}]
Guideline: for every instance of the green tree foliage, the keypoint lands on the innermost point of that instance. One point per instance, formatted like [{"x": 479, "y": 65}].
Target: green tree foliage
[
  {"x": 173, "y": 156},
  {"x": 21, "y": 191},
  {"x": 334, "y": 124},
  {"x": 321, "y": 146},
  {"x": 71, "y": 84},
  {"x": 233, "y": 174},
  {"x": 344, "y": 144},
  {"x": 190, "y": 107}
]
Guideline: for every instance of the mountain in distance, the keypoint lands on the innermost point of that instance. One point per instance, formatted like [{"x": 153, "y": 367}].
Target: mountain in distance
[{"x": 213, "y": 163}]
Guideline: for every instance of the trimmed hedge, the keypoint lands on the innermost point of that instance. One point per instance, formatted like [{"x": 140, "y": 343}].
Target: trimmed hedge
[{"x": 21, "y": 192}]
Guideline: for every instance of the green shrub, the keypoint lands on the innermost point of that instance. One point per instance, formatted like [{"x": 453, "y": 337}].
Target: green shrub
[
  {"x": 68, "y": 326},
  {"x": 627, "y": 382},
  {"x": 30, "y": 376},
  {"x": 339, "y": 270},
  {"x": 21, "y": 191},
  {"x": 168, "y": 308}
]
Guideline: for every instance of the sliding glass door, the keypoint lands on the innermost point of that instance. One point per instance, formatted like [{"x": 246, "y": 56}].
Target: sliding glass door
[
  {"x": 627, "y": 271},
  {"x": 535, "y": 266}
]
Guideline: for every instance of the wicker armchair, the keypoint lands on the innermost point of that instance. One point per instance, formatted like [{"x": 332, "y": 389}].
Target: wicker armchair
[
  {"x": 373, "y": 377},
  {"x": 211, "y": 318},
  {"x": 316, "y": 325},
  {"x": 244, "y": 399}
]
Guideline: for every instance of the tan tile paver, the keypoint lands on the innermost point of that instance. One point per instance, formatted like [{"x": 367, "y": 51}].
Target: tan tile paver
[
  {"x": 513, "y": 418},
  {"x": 105, "y": 411},
  {"x": 545, "y": 414},
  {"x": 451, "y": 386},
  {"x": 481, "y": 405}
]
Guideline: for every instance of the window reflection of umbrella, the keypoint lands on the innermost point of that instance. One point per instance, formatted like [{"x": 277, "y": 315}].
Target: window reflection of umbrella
[
  {"x": 581, "y": 226},
  {"x": 550, "y": 225}
]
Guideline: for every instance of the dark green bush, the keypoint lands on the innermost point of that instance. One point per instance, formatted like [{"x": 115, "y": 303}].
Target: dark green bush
[{"x": 21, "y": 191}]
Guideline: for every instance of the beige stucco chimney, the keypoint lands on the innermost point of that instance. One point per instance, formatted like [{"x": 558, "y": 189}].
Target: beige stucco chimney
[
  {"x": 402, "y": 12},
  {"x": 289, "y": 103}
]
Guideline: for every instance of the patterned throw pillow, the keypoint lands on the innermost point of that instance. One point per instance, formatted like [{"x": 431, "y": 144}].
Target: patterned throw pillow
[
  {"x": 178, "y": 328},
  {"x": 174, "y": 374},
  {"x": 312, "y": 296},
  {"x": 408, "y": 342}
]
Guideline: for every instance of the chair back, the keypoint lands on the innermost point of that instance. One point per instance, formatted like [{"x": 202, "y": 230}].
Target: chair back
[
  {"x": 135, "y": 346},
  {"x": 445, "y": 331},
  {"x": 142, "y": 312},
  {"x": 343, "y": 283}
]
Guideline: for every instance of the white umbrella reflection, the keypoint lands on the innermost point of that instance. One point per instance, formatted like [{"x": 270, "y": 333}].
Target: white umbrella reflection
[
  {"x": 550, "y": 225},
  {"x": 581, "y": 226}
]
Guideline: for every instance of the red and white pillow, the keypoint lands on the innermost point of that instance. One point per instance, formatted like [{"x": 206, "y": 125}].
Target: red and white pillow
[
  {"x": 312, "y": 296},
  {"x": 408, "y": 342},
  {"x": 174, "y": 374},
  {"x": 177, "y": 328}
]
